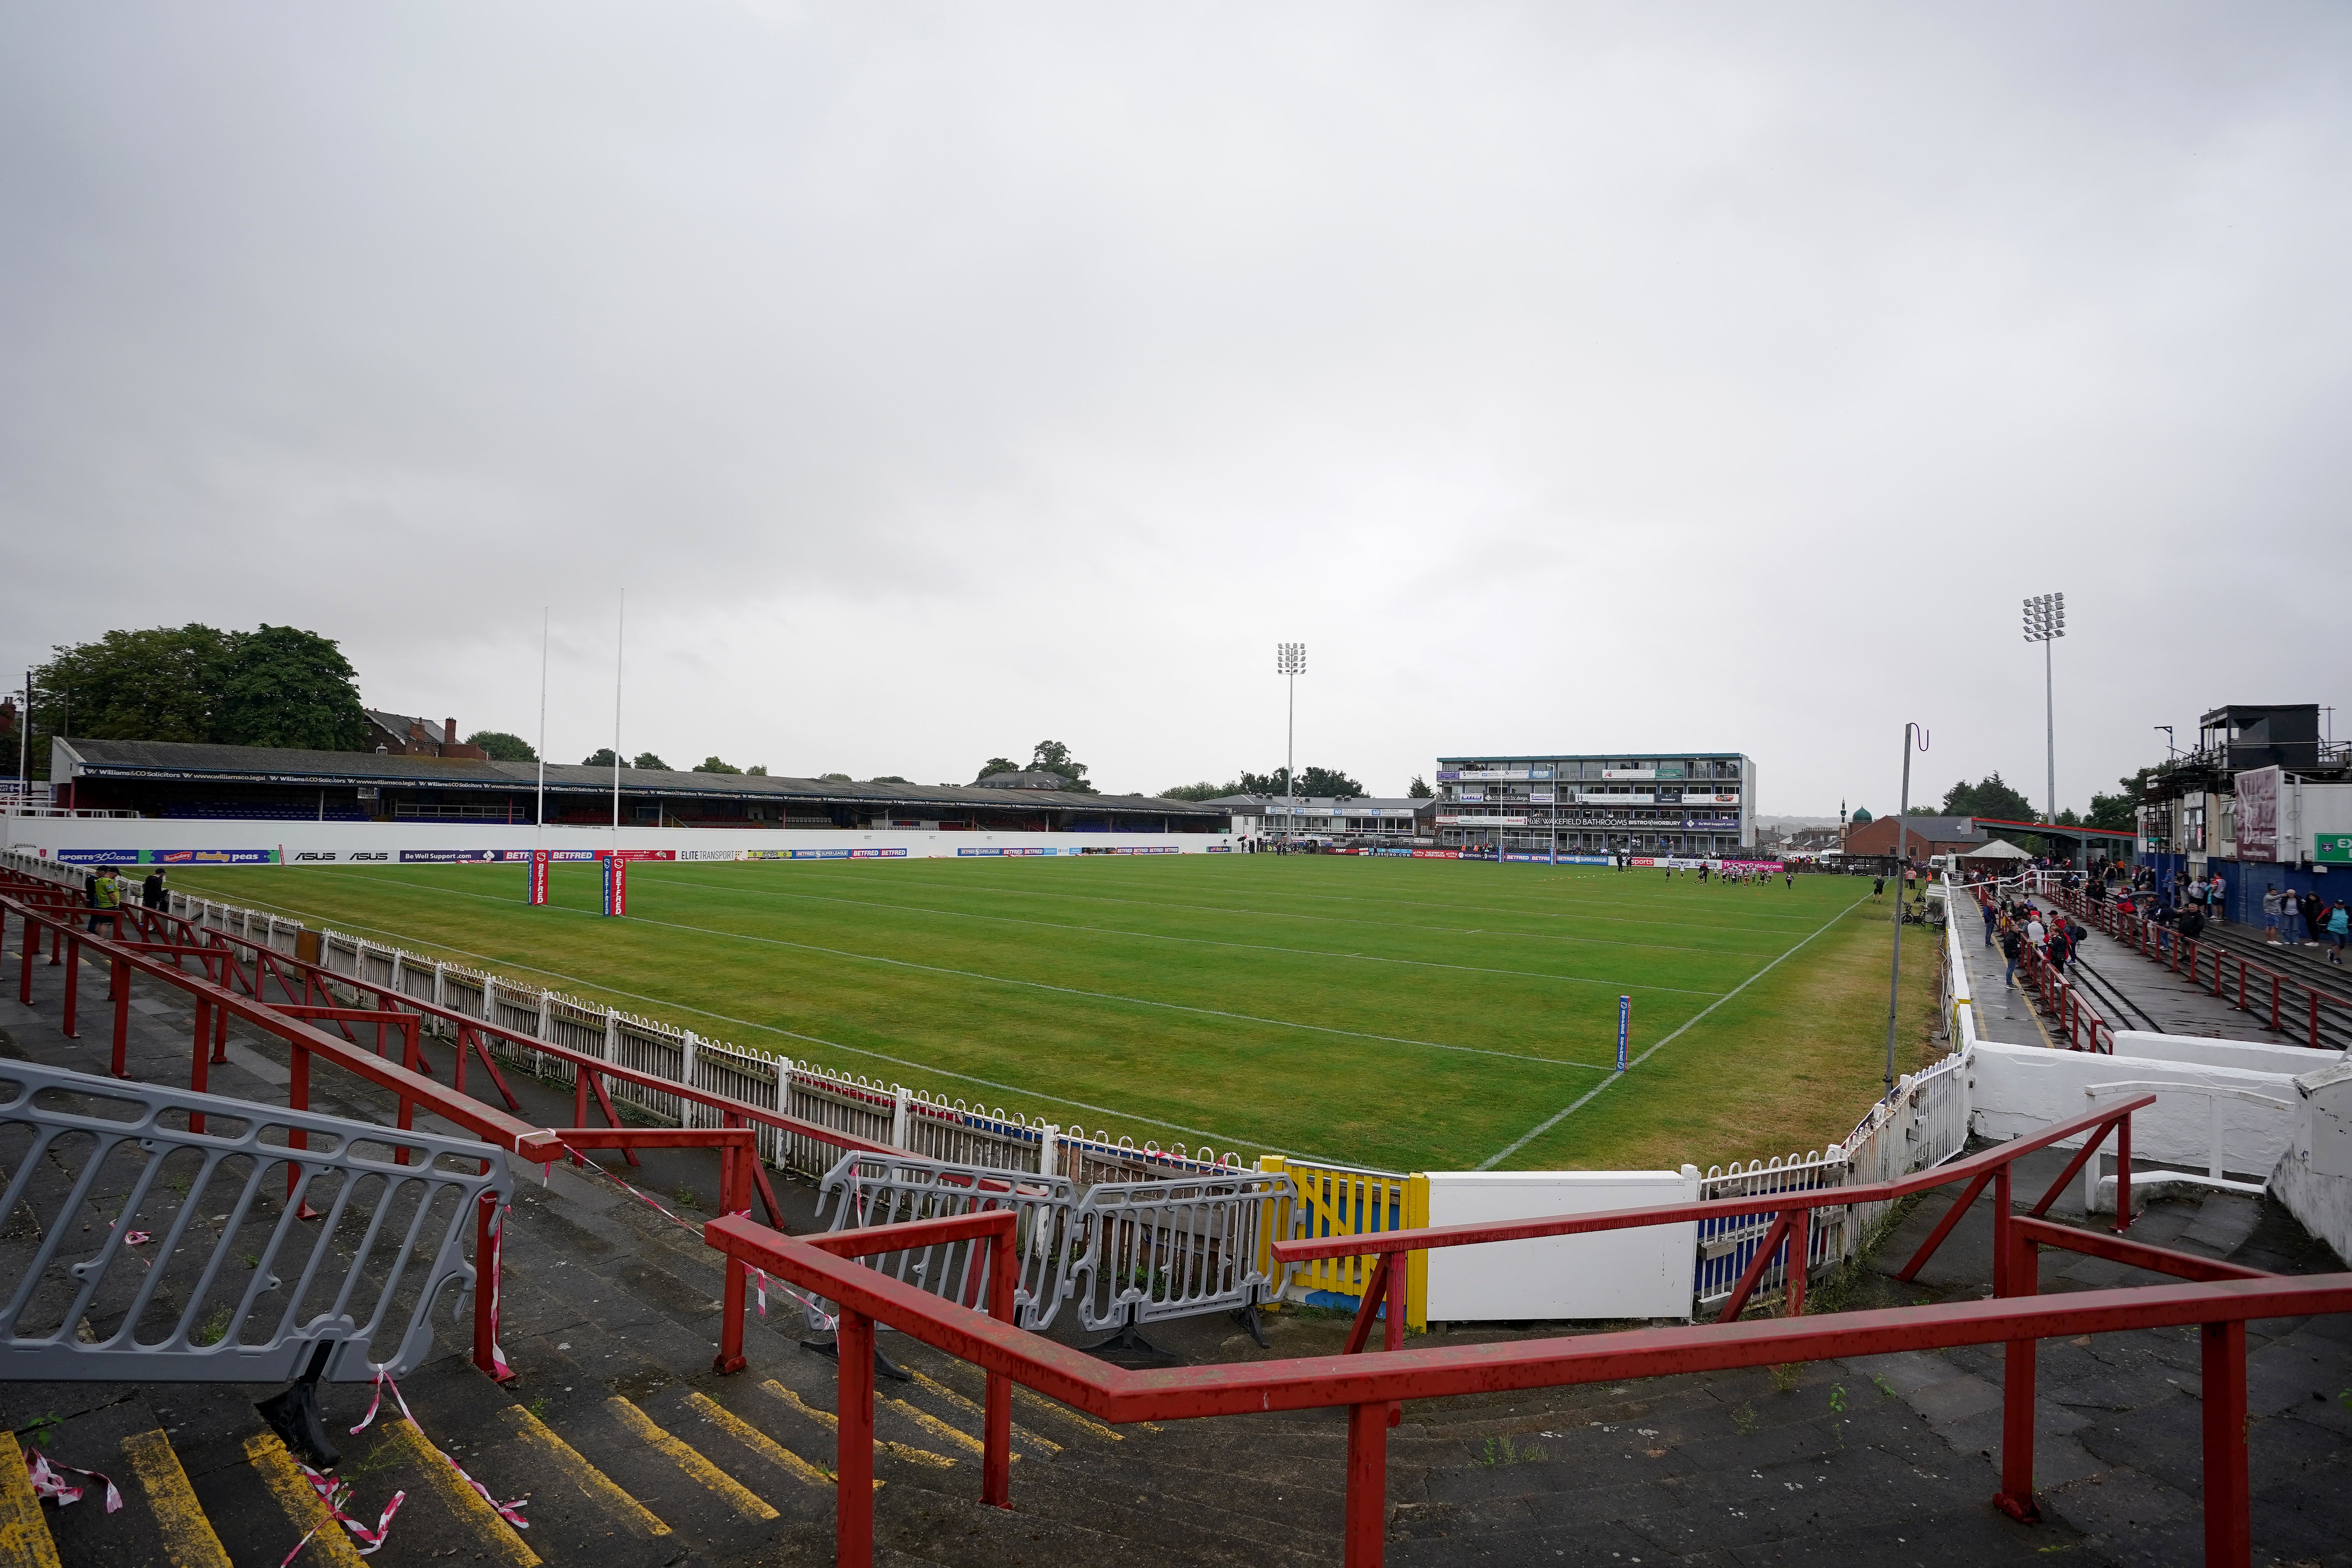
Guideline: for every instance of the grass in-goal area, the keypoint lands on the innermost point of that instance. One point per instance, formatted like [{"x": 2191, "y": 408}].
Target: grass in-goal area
[{"x": 1394, "y": 1013}]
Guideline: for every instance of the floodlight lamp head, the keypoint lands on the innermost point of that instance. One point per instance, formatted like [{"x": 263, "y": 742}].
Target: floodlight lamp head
[{"x": 1290, "y": 658}]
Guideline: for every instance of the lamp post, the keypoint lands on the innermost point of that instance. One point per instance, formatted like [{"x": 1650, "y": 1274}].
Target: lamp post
[
  {"x": 1290, "y": 661},
  {"x": 1902, "y": 828},
  {"x": 2045, "y": 623}
]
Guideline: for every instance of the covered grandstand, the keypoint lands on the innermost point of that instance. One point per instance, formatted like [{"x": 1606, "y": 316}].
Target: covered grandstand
[{"x": 174, "y": 780}]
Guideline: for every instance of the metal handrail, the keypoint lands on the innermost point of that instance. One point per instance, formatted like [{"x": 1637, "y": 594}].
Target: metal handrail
[
  {"x": 335, "y": 1301},
  {"x": 1793, "y": 1207},
  {"x": 1369, "y": 1385},
  {"x": 216, "y": 1004},
  {"x": 2170, "y": 946}
]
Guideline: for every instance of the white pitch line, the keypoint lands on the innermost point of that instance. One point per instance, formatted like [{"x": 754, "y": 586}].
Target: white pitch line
[
  {"x": 1029, "y": 985},
  {"x": 1243, "y": 946},
  {"x": 1553, "y": 1121},
  {"x": 1034, "y": 1095}
]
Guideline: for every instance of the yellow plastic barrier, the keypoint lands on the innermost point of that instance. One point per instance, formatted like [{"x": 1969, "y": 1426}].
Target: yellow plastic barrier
[{"x": 1334, "y": 1200}]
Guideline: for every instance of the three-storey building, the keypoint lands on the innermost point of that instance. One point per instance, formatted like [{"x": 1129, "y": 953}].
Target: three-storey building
[{"x": 1696, "y": 803}]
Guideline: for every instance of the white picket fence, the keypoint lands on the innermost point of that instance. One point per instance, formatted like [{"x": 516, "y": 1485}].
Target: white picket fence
[{"x": 1923, "y": 1122}]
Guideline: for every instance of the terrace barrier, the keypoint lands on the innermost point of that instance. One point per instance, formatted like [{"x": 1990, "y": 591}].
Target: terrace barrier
[
  {"x": 214, "y": 1003},
  {"x": 2286, "y": 1003},
  {"x": 1369, "y": 1386}
]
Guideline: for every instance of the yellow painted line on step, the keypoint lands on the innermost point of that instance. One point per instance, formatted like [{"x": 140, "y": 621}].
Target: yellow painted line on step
[
  {"x": 687, "y": 1457},
  {"x": 1036, "y": 1401},
  {"x": 833, "y": 1423},
  {"x": 593, "y": 1483},
  {"x": 759, "y": 1443},
  {"x": 24, "y": 1534},
  {"x": 939, "y": 1428},
  {"x": 188, "y": 1538},
  {"x": 266, "y": 1452},
  {"x": 972, "y": 1406},
  {"x": 495, "y": 1534}
]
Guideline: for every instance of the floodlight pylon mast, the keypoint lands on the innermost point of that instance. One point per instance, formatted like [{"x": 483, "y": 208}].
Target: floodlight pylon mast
[
  {"x": 2045, "y": 623},
  {"x": 1290, "y": 660},
  {"x": 538, "y": 812},
  {"x": 620, "y": 633}
]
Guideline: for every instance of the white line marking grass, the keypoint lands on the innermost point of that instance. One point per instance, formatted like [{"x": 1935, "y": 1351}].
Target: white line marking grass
[
  {"x": 425, "y": 943},
  {"x": 1212, "y": 941},
  {"x": 1491, "y": 1160}
]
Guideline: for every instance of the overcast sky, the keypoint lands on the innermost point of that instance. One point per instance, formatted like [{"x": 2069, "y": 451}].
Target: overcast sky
[{"x": 936, "y": 379}]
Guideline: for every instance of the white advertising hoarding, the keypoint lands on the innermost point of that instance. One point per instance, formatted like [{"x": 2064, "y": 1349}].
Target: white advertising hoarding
[{"x": 1643, "y": 1273}]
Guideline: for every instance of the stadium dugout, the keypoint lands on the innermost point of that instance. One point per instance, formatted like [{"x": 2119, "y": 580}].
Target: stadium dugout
[{"x": 185, "y": 781}]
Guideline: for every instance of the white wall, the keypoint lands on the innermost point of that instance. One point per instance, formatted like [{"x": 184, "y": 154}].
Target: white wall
[
  {"x": 2314, "y": 1177},
  {"x": 2021, "y": 1089},
  {"x": 2259, "y": 1056},
  {"x": 340, "y": 843},
  {"x": 1643, "y": 1273}
]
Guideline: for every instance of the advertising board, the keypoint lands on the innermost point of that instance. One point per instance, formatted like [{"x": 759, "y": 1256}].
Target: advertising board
[{"x": 2258, "y": 814}]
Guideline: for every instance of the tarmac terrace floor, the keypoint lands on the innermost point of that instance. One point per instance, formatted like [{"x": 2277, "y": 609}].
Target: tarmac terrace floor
[{"x": 632, "y": 1451}]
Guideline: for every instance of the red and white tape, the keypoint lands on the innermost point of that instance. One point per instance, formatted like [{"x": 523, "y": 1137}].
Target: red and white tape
[
  {"x": 48, "y": 1483},
  {"x": 651, "y": 1203},
  {"x": 334, "y": 1494},
  {"x": 510, "y": 1511}
]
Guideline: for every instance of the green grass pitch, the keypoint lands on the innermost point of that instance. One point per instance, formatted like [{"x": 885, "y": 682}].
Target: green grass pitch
[{"x": 1409, "y": 1014}]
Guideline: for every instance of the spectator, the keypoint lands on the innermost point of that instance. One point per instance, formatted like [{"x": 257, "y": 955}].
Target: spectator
[
  {"x": 105, "y": 895},
  {"x": 2338, "y": 927},
  {"x": 150, "y": 891},
  {"x": 1988, "y": 918},
  {"x": 2314, "y": 910},
  {"x": 2216, "y": 897},
  {"x": 2012, "y": 947},
  {"x": 2271, "y": 915}
]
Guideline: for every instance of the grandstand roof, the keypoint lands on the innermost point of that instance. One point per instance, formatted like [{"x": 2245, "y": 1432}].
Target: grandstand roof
[{"x": 193, "y": 761}]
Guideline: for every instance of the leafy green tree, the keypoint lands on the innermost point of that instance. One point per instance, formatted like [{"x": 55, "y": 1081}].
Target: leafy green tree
[
  {"x": 837, "y": 778},
  {"x": 1991, "y": 796},
  {"x": 602, "y": 757},
  {"x": 1312, "y": 783},
  {"x": 1204, "y": 790},
  {"x": 888, "y": 778},
  {"x": 287, "y": 687},
  {"x": 1053, "y": 757},
  {"x": 2112, "y": 811},
  {"x": 505, "y": 748},
  {"x": 1419, "y": 789},
  {"x": 650, "y": 762},
  {"x": 756, "y": 771},
  {"x": 997, "y": 765},
  {"x": 713, "y": 766},
  {"x": 160, "y": 684}
]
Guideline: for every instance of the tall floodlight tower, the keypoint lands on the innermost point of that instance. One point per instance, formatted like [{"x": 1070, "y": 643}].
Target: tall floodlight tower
[
  {"x": 1290, "y": 661},
  {"x": 2045, "y": 623}
]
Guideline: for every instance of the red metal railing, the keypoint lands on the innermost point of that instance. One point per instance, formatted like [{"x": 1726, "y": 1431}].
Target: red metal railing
[
  {"x": 1792, "y": 1210},
  {"x": 1369, "y": 1386},
  {"x": 2286, "y": 1003},
  {"x": 2077, "y": 1019},
  {"x": 216, "y": 1003},
  {"x": 228, "y": 964}
]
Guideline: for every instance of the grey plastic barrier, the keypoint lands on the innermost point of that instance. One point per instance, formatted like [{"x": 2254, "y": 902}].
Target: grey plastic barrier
[
  {"x": 1126, "y": 1252},
  {"x": 1137, "y": 1252},
  {"x": 868, "y": 1190},
  {"x": 138, "y": 1248}
]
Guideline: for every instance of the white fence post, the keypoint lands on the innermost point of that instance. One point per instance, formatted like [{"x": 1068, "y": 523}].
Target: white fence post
[
  {"x": 399, "y": 977},
  {"x": 685, "y": 1054},
  {"x": 489, "y": 999},
  {"x": 1046, "y": 1149},
  {"x": 440, "y": 984},
  {"x": 901, "y": 1119},
  {"x": 612, "y": 1033}
]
